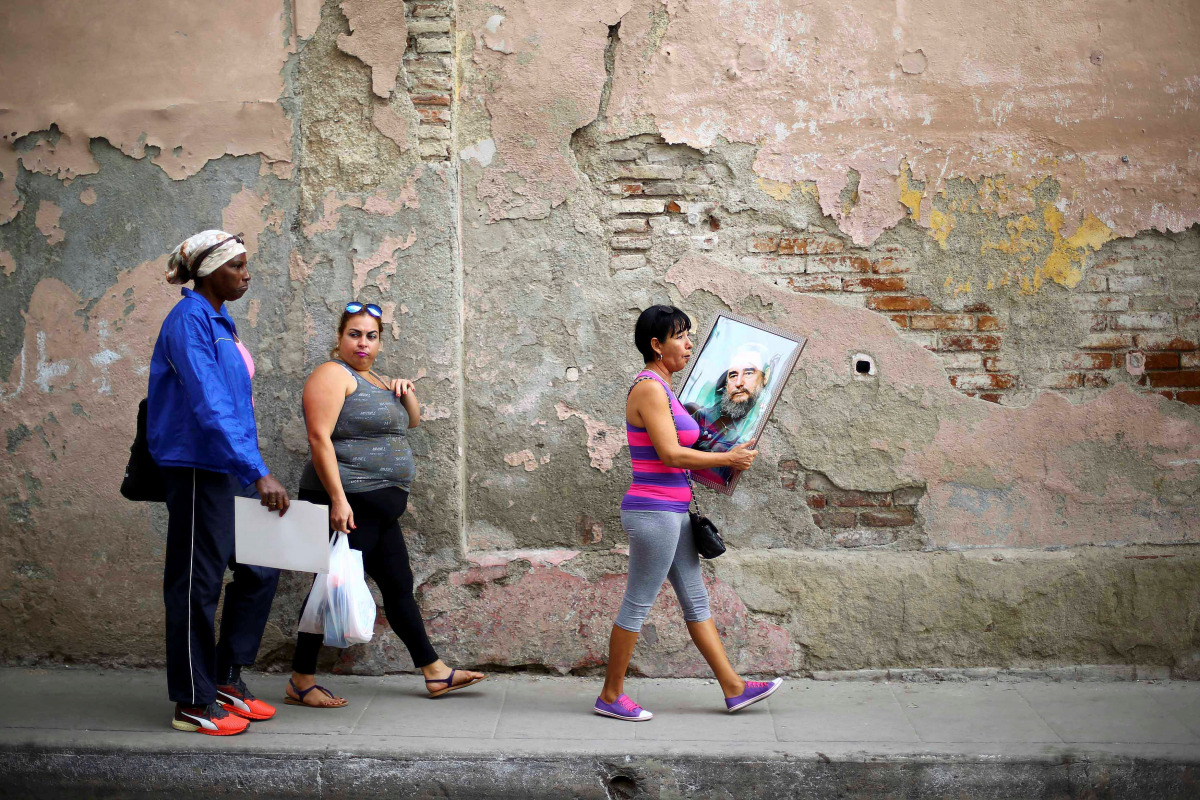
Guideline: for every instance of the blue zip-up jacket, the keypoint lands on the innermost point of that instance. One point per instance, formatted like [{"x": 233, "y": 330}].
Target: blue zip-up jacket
[{"x": 200, "y": 409}]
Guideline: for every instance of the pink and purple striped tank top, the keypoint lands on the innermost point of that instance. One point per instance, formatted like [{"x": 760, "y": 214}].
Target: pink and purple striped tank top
[{"x": 657, "y": 487}]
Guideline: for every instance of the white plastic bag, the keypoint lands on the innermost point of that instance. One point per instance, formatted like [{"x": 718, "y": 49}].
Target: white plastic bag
[{"x": 340, "y": 604}]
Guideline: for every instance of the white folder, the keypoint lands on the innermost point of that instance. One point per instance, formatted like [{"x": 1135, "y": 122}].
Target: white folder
[{"x": 299, "y": 540}]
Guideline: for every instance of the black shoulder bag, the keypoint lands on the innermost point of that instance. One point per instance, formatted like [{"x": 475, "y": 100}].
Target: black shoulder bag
[
  {"x": 143, "y": 478},
  {"x": 709, "y": 543}
]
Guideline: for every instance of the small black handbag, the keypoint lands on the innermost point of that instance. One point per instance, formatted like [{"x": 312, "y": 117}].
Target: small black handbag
[
  {"x": 707, "y": 538},
  {"x": 143, "y": 478},
  {"x": 709, "y": 543}
]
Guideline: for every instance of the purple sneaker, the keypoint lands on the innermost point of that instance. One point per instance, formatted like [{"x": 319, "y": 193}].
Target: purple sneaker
[
  {"x": 755, "y": 691},
  {"x": 624, "y": 708}
]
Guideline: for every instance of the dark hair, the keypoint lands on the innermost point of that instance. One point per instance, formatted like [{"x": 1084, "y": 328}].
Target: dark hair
[
  {"x": 658, "y": 322},
  {"x": 345, "y": 320}
]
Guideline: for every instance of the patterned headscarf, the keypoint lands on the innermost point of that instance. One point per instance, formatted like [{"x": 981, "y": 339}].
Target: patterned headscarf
[{"x": 202, "y": 254}]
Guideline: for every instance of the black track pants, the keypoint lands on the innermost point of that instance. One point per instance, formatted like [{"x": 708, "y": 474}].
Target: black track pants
[{"x": 199, "y": 548}]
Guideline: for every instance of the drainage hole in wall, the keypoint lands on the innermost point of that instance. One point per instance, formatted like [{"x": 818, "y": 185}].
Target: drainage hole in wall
[
  {"x": 623, "y": 786},
  {"x": 863, "y": 365}
]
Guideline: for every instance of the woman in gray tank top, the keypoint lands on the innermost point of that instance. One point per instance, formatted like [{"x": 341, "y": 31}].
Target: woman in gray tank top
[{"x": 362, "y": 468}]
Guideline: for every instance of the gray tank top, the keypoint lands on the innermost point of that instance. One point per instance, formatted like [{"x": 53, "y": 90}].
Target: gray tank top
[{"x": 370, "y": 440}]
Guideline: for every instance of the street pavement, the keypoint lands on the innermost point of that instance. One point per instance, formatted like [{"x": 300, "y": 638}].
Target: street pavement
[{"x": 51, "y": 713}]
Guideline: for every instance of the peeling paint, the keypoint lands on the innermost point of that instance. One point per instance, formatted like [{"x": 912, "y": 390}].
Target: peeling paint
[
  {"x": 523, "y": 458},
  {"x": 48, "y": 215},
  {"x": 378, "y": 37},
  {"x": 384, "y": 256},
  {"x": 174, "y": 104},
  {"x": 1056, "y": 463},
  {"x": 603, "y": 440},
  {"x": 559, "y": 79},
  {"x": 392, "y": 124},
  {"x": 962, "y": 121},
  {"x": 307, "y": 17}
]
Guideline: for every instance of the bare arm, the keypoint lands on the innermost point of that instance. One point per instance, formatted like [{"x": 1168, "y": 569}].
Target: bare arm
[
  {"x": 648, "y": 408},
  {"x": 324, "y": 394}
]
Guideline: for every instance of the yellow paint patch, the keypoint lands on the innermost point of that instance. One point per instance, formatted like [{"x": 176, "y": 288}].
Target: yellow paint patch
[
  {"x": 940, "y": 225},
  {"x": 1018, "y": 241},
  {"x": 1091, "y": 233},
  {"x": 910, "y": 197},
  {"x": 1064, "y": 265},
  {"x": 776, "y": 189}
]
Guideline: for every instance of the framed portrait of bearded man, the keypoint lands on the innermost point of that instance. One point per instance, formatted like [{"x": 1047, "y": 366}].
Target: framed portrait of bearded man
[{"x": 731, "y": 386}]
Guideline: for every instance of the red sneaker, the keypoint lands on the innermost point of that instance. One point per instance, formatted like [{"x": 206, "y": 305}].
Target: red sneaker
[
  {"x": 211, "y": 720},
  {"x": 236, "y": 699}
]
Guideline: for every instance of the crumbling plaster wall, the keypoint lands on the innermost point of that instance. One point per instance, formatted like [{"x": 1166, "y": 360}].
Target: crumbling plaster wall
[{"x": 514, "y": 181}]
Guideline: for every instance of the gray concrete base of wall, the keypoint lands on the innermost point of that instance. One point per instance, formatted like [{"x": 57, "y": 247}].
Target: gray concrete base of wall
[{"x": 99, "y": 774}]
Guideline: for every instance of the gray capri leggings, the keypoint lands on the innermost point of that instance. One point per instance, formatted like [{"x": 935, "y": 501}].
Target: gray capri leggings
[{"x": 661, "y": 547}]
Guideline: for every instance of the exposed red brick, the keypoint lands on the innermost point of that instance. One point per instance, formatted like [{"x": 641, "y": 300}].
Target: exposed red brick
[
  {"x": 1095, "y": 380},
  {"x": 893, "y": 302},
  {"x": 789, "y": 474},
  {"x": 807, "y": 245},
  {"x": 764, "y": 244},
  {"x": 846, "y": 498},
  {"x": 1142, "y": 320},
  {"x": 998, "y": 363},
  {"x": 430, "y": 99},
  {"x": 978, "y": 308},
  {"x": 900, "y": 319},
  {"x": 837, "y": 263},
  {"x": 889, "y": 518},
  {"x": 986, "y": 380},
  {"x": 673, "y": 207},
  {"x": 428, "y": 114},
  {"x": 1088, "y": 361},
  {"x": 892, "y": 284},
  {"x": 815, "y": 283},
  {"x": 966, "y": 341},
  {"x": 943, "y": 322},
  {"x": 630, "y": 188},
  {"x": 1162, "y": 360},
  {"x": 1150, "y": 341},
  {"x": 989, "y": 323},
  {"x": 1064, "y": 380},
  {"x": 1189, "y": 378},
  {"x": 817, "y": 501},
  {"x": 1107, "y": 341},
  {"x": 991, "y": 397},
  {"x": 1167, "y": 394},
  {"x": 1191, "y": 398},
  {"x": 834, "y": 519},
  {"x": 888, "y": 266}
]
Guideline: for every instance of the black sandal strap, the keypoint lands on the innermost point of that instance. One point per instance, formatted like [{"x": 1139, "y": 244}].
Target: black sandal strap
[{"x": 448, "y": 681}]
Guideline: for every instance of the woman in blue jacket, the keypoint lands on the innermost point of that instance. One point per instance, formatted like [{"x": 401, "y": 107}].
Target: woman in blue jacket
[{"x": 201, "y": 431}]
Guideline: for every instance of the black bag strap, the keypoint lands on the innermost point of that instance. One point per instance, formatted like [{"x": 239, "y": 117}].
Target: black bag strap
[{"x": 694, "y": 507}]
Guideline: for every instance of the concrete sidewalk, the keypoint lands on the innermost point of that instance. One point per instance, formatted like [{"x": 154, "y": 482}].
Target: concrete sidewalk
[{"x": 91, "y": 733}]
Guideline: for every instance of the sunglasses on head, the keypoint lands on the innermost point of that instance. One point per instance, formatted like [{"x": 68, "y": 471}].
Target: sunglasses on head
[{"x": 356, "y": 307}]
